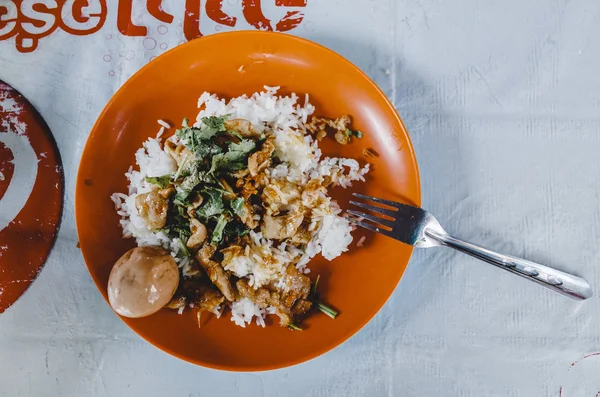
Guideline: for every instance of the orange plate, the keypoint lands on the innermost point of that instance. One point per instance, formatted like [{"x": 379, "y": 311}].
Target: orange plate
[{"x": 231, "y": 64}]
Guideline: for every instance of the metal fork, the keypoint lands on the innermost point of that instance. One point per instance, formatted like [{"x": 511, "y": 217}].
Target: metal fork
[{"x": 415, "y": 226}]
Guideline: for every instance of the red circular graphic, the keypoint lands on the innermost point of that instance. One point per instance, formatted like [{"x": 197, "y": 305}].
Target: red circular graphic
[
  {"x": 31, "y": 194},
  {"x": 581, "y": 379},
  {"x": 6, "y": 168}
]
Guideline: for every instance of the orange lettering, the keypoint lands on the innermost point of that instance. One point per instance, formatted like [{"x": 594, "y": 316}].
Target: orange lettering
[
  {"x": 214, "y": 10},
  {"x": 155, "y": 9},
  {"x": 30, "y": 20},
  {"x": 80, "y": 18},
  {"x": 124, "y": 23},
  {"x": 39, "y": 16},
  {"x": 290, "y": 3},
  {"x": 8, "y": 19},
  {"x": 38, "y": 19},
  {"x": 291, "y": 20},
  {"x": 191, "y": 20},
  {"x": 255, "y": 17}
]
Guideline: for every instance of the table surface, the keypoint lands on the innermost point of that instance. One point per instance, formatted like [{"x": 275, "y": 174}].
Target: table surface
[{"x": 502, "y": 102}]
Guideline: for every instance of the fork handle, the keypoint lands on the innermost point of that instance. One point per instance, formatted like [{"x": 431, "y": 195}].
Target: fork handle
[{"x": 572, "y": 286}]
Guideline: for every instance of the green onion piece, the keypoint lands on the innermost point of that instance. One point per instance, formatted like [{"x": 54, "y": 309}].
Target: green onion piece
[
  {"x": 294, "y": 328},
  {"x": 183, "y": 246},
  {"x": 180, "y": 169},
  {"x": 315, "y": 284},
  {"x": 217, "y": 234},
  {"x": 326, "y": 309},
  {"x": 160, "y": 181}
]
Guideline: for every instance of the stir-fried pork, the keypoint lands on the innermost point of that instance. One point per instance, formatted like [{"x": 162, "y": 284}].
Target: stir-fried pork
[
  {"x": 199, "y": 234},
  {"x": 203, "y": 294},
  {"x": 282, "y": 226},
  {"x": 242, "y": 127},
  {"x": 215, "y": 271},
  {"x": 178, "y": 152},
  {"x": 261, "y": 159},
  {"x": 318, "y": 127},
  {"x": 152, "y": 207}
]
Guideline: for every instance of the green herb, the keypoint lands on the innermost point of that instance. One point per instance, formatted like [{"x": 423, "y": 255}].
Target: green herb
[
  {"x": 235, "y": 229},
  {"x": 190, "y": 182},
  {"x": 356, "y": 133},
  {"x": 213, "y": 125},
  {"x": 213, "y": 206},
  {"x": 235, "y": 158},
  {"x": 314, "y": 291},
  {"x": 184, "y": 247},
  {"x": 217, "y": 234},
  {"x": 200, "y": 139},
  {"x": 237, "y": 206},
  {"x": 185, "y": 188},
  {"x": 160, "y": 181},
  {"x": 326, "y": 309},
  {"x": 294, "y": 327},
  {"x": 180, "y": 199},
  {"x": 209, "y": 127},
  {"x": 219, "y": 189},
  {"x": 206, "y": 149},
  {"x": 181, "y": 167},
  {"x": 178, "y": 225},
  {"x": 321, "y": 306},
  {"x": 235, "y": 134}
]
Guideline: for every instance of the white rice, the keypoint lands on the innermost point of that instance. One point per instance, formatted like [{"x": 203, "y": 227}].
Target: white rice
[
  {"x": 302, "y": 162},
  {"x": 164, "y": 124},
  {"x": 244, "y": 310}
]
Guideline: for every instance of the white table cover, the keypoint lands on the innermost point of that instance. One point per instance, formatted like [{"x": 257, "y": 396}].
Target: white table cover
[{"x": 502, "y": 102}]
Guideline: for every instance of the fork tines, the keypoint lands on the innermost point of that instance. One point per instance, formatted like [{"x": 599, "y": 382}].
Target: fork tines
[{"x": 380, "y": 224}]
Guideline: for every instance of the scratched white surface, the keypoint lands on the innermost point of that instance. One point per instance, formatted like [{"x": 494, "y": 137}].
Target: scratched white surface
[{"x": 502, "y": 101}]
